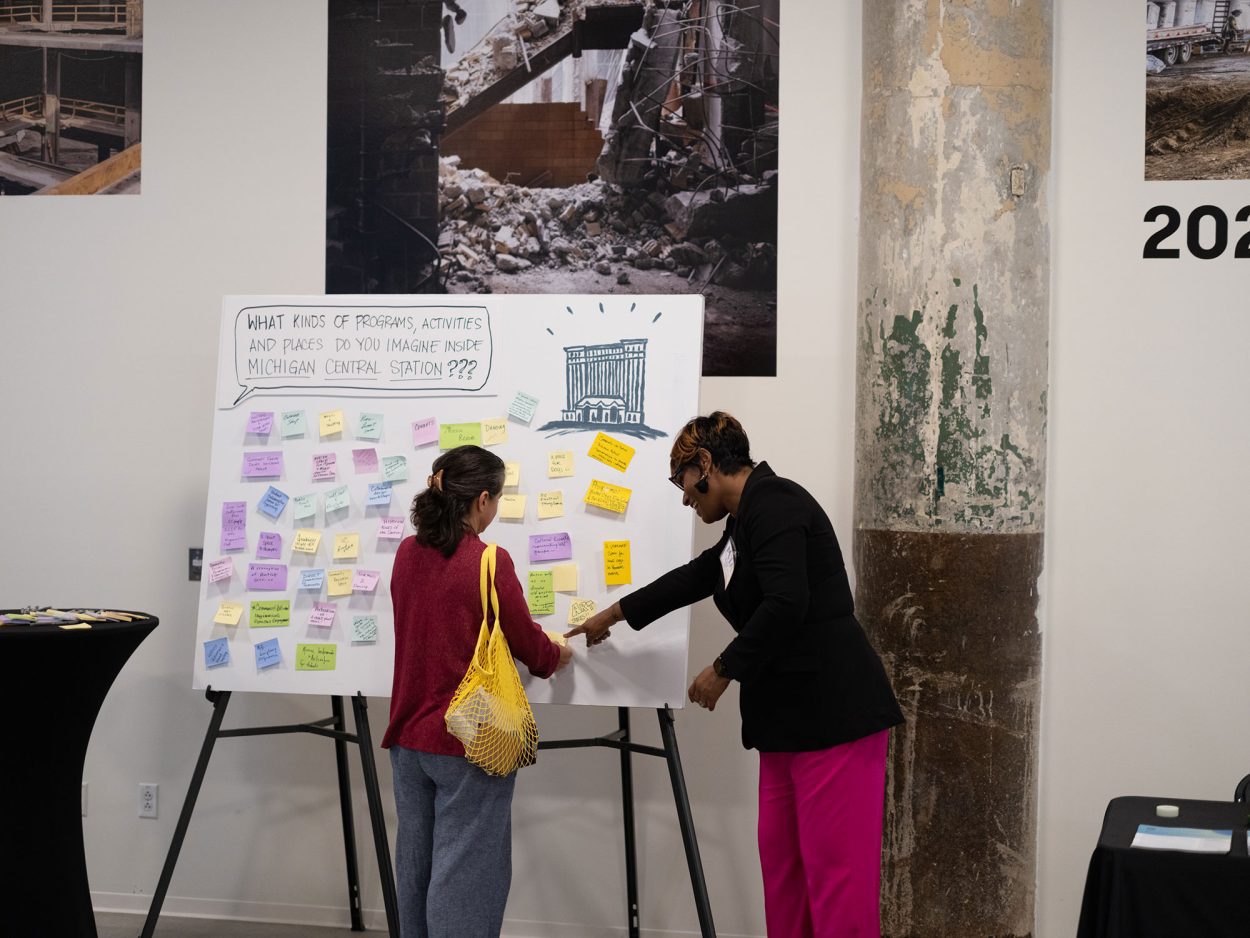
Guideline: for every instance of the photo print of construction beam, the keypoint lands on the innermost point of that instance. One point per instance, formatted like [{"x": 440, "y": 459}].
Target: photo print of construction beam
[
  {"x": 71, "y": 77},
  {"x": 560, "y": 146}
]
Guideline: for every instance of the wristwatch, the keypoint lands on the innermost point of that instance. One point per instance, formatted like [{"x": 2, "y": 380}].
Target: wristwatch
[{"x": 718, "y": 666}]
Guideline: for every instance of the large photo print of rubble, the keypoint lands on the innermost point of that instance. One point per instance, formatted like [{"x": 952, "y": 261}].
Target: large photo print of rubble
[
  {"x": 1198, "y": 89},
  {"x": 560, "y": 146},
  {"x": 71, "y": 77}
]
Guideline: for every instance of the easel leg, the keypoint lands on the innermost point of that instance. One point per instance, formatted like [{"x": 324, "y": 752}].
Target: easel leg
[
  {"x": 631, "y": 852},
  {"x": 386, "y": 872},
  {"x": 349, "y": 825},
  {"x": 684, "y": 818},
  {"x": 220, "y": 699}
]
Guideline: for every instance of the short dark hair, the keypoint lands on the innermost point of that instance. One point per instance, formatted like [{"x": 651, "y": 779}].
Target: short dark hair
[
  {"x": 721, "y": 435},
  {"x": 457, "y": 478}
]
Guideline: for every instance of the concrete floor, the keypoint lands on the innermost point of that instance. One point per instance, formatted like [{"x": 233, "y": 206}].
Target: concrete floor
[{"x": 124, "y": 925}]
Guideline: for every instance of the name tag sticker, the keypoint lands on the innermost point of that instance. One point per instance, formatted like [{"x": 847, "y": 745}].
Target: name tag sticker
[{"x": 728, "y": 557}]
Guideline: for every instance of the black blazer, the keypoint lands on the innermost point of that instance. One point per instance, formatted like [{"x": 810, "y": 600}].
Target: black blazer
[{"x": 809, "y": 677}]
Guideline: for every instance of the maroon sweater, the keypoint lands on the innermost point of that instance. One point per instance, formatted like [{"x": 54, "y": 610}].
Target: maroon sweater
[{"x": 438, "y": 611}]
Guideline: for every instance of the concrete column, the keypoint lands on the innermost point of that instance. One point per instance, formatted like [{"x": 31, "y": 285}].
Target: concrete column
[
  {"x": 52, "y": 105},
  {"x": 951, "y": 447},
  {"x": 134, "y": 100},
  {"x": 45, "y": 15}
]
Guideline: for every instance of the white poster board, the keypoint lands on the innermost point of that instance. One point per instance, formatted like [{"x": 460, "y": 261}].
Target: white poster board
[{"x": 398, "y": 371}]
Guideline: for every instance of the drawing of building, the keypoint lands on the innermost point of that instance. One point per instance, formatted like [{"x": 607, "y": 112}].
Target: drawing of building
[{"x": 604, "y": 384}]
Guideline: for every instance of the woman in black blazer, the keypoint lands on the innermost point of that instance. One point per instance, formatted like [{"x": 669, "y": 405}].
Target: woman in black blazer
[{"x": 814, "y": 697}]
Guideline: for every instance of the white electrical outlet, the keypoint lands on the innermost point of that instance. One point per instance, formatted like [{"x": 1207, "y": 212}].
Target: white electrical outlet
[
  {"x": 148, "y": 794},
  {"x": 84, "y": 799}
]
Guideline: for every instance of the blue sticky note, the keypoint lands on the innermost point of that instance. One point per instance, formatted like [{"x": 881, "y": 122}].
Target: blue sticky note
[
  {"x": 312, "y": 579},
  {"x": 272, "y": 502},
  {"x": 216, "y": 653},
  {"x": 268, "y": 654},
  {"x": 379, "y": 493}
]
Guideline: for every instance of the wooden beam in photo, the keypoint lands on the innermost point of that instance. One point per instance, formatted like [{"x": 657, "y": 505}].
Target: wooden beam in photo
[{"x": 100, "y": 176}]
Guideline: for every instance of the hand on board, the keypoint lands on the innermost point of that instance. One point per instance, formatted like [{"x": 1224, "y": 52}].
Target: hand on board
[
  {"x": 707, "y": 688},
  {"x": 566, "y": 655},
  {"x": 596, "y": 628}
]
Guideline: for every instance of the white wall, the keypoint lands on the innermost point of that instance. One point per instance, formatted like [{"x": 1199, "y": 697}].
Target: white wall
[{"x": 110, "y": 311}]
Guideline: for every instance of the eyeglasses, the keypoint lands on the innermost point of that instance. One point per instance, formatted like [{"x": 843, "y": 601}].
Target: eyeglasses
[{"x": 675, "y": 478}]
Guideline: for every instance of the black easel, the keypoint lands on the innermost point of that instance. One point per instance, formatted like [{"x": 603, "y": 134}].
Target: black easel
[
  {"x": 334, "y": 727},
  {"x": 620, "y": 741}
]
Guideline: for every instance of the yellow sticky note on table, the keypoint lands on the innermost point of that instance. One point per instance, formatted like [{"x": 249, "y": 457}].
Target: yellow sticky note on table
[
  {"x": 495, "y": 431},
  {"x": 550, "y": 504},
  {"x": 346, "y": 546},
  {"x": 315, "y": 657},
  {"x": 512, "y": 507},
  {"x": 611, "y": 451},
  {"x": 339, "y": 583},
  {"x": 616, "y": 569},
  {"x": 511, "y": 474},
  {"x": 228, "y": 613},
  {"x": 306, "y": 541},
  {"x": 609, "y": 496},
  {"x": 542, "y": 598},
  {"x": 451, "y": 435},
  {"x": 580, "y": 610},
  {"x": 331, "y": 422},
  {"x": 564, "y": 577},
  {"x": 560, "y": 464}
]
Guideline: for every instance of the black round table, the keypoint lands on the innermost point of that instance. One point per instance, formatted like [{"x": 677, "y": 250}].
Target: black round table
[{"x": 52, "y": 683}]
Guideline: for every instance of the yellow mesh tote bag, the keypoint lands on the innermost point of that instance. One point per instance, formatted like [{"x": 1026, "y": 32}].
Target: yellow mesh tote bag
[{"x": 490, "y": 713}]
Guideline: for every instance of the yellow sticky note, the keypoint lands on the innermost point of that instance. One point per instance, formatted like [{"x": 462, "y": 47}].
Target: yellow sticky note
[
  {"x": 331, "y": 422},
  {"x": 560, "y": 464},
  {"x": 339, "y": 583},
  {"x": 228, "y": 613},
  {"x": 306, "y": 541},
  {"x": 550, "y": 504},
  {"x": 346, "y": 546},
  {"x": 511, "y": 474},
  {"x": 611, "y": 451},
  {"x": 564, "y": 577},
  {"x": 319, "y": 657},
  {"x": 77, "y": 625},
  {"x": 609, "y": 496},
  {"x": 580, "y": 610},
  {"x": 616, "y": 570},
  {"x": 512, "y": 507},
  {"x": 495, "y": 431}
]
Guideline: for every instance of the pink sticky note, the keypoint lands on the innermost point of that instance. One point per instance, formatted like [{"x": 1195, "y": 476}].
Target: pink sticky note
[
  {"x": 425, "y": 432},
  {"x": 324, "y": 466},
  {"x": 260, "y": 422},
  {"x": 221, "y": 569},
  {"x": 365, "y": 581},
  {"x": 391, "y": 529},
  {"x": 550, "y": 547},
  {"x": 366, "y": 460},
  {"x": 270, "y": 546},
  {"x": 262, "y": 464},
  {"x": 266, "y": 576},
  {"x": 322, "y": 614}
]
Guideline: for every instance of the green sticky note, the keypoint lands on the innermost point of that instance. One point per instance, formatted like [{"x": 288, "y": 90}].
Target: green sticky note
[
  {"x": 292, "y": 423},
  {"x": 304, "y": 506},
  {"x": 451, "y": 435},
  {"x": 269, "y": 613},
  {"x": 318, "y": 657},
  {"x": 337, "y": 499},
  {"x": 542, "y": 593},
  {"x": 370, "y": 427},
  {"x": 395, "y": 468}
]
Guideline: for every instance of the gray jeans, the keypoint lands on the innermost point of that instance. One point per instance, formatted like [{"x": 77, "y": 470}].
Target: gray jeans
[{"x": 453, "y": 853}]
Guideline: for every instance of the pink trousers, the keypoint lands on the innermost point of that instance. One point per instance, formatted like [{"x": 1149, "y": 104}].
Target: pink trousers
[{"x": 820, "y": 839}]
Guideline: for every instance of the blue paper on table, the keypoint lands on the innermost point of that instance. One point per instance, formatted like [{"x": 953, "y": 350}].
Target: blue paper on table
[{"x": 1189, "y": 839}]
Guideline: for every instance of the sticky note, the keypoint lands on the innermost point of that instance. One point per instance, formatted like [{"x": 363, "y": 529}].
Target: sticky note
[
  {"x": 233, "y": 540},
  {"x": 266, "y": 576},
  {"x": 228, "y": 613},
  {"x": 494, "y": 432},
  {"x": 564, "y": 577},
  {"x": 268, "y": 654},
  {"x": 292, "y": 423},
  {"x": 322, "y": 614},
  {"x": 309, "y": 657},
  {"x": 391, "y": 529},
  {"x": 337, "y": 499},
  {"x": 611, "y": 451},
  {"x": 424, "y": 432},
  {"x": 365, "y": 581},
  {"x": 395, "y": 468},
  {"x": 260, "y": 422},
  {"x": 580, "y": 610},
  {"x": 270, "y": 546},
  {"x": 306, "y": 541},
  {"x": 216, "y": 653},
  {"x": 608, "y": 496},
  {"x": 339, "y": 583},
  {"x": 560, "y": 464},
  {"x": 233, "y": 515},
  {"x": 616, "y": 571},
  {"x": 451, "y": 435},
  {"x": 262, "y": 464},
  {"x": 511, "y": 474},
  {"x": 512, "y": 507},
  {"x": 324, "y": 467},
  {"x": 364, "y": 628},
  {"x": 219, "y": 570},
  {"x": 269, "y": 613},
  {"x": 379, "y": 494},
  {"x": 312, "y": 579},
  {"x": 304, "y": 506},
  {"x": 365, "y": 461},
  {"x": 369, "y": 427},
  {"x": 545, "y": 547},
  {"x": 550, "y": 504},
  {"x": 331, "y": 422},
  {"x": 523, "y": 407},
  {"x": 272, "y": 502},
  {"x": 346, "y": 546},
  {"x": 542, "y": 597}
]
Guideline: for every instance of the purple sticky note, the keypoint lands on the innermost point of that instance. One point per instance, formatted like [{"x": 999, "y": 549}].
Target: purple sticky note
[
  {"x": 365, "y": 581},
  {"x": 391, "y": 529},
  {"x": 233, "y": 540},
  {"x": 270, "y": 547},
  {"x": 272, "y": 502},
  {"x": 221, "y": 569},
  {"x": 550, "y": 547},
  {"x": 258, "y": 464},
  {"x": 266, "y": 576},
  {"x": 322, "y": 614},
  {"x": 260, "y": 422},
  {"x": 425, "y": 432},
  {"x": 366, "y": 460},
  {"x": 324, "y": 465},
  {"x": 233, "y": 525}
]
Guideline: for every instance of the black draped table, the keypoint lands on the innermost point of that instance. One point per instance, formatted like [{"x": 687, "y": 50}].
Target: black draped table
[
  {"x": 1135, "y": 892},
  {"x": 52, "y": 683}
]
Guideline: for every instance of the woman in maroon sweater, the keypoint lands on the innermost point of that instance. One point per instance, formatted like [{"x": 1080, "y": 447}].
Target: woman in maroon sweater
[{"x": 453, "y": 853}]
